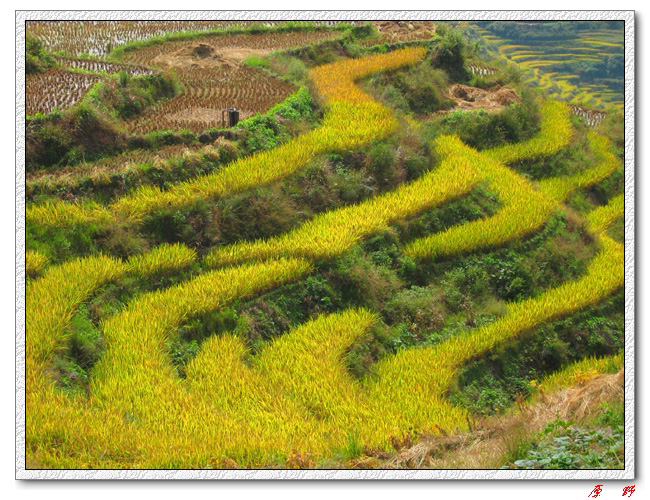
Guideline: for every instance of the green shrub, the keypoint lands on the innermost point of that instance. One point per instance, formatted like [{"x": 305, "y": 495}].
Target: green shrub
[
  {"x": 505, "y": 373},
  {"x": 564, "y": 446},
  {"x": 55, "y": 143},
  {"x": 363, "y": 283},
  {"x": 86, "y": 341},
  {"x": 61, "y": 244},
  {"x": 483, "y": 130},
  {"x": 382, "y": 163},
  {"x": 418, "y": 309},
  {"x": 510, "y": 277},
  {"x": 37, "y": 59},
  {"x": 450, "y": 55},
  {"x": 261, "y": 322},
  {"x": 361, "y": 358},
  {"x": 293, "y": 304}
]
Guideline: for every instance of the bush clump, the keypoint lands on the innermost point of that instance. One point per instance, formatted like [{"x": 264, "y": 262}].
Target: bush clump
[{"x": 37, "y": 59}]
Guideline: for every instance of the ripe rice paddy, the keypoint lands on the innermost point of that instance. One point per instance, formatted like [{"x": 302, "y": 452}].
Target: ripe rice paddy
[{"x": 294, "y": 396}]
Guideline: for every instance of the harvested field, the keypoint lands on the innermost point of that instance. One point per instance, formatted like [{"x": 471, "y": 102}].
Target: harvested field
[
  {"x": 103, "y": 66},
  {"x": 208, "y": 90},
  {"x": 60, "y": 88},
  {"x": 97, "y": 38},
  {"x": 211, "y": 72},
  {"x": 210, "y": 50},
  {"x": 55, "y": 89}
]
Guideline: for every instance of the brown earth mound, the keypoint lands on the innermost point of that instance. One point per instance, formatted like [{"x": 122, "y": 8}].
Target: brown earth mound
[
  {"x": 202, "y": 50},
  {"x": 204, "y": 55},
  {"x": 402, "y": 31},
  {"x": 472, "y": 98}
]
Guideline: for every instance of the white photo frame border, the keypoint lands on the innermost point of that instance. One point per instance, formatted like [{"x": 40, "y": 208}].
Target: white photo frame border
[{"x": 320, "y": 15}]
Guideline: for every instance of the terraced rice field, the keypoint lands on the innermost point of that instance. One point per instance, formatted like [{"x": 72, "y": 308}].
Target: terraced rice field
[
  {"x": 208, "y": 91},
  {"x": 296, "y": 395},
  {"x": 99, "y": 172},
  {"x": 61, "y": 88},
  {"x": 97, "y": 66},
  {"x": 217, "y": 79},
  {"x": 548, "y": 65}
]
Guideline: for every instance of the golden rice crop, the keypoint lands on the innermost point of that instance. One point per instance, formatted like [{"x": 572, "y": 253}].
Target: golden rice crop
[
  {"x": 62, "y": 214},
  {"x": 296, "y": 386},
  {"x": 296, "y": 393},
  {"x": 250, "y": 413},
  {"x": 51, "y": 300},
  {"x": 34, "y": 262},
  {"x": 308, "y": 366},
  {"x": 600, "y": 218},
  {"x": 132, "y": 378},
  {"x": 580, "y": 372},
  {"x": 524, "y": 211},
  {"x": 525, "y": 207},
  {"x": 135, "y": 374},
  {"x": 423, "y": 376},
  {"x": 163, "y": 259}
]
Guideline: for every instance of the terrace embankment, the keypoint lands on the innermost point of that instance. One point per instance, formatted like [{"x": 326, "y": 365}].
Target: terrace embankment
[{"x": 491, "y": 438}]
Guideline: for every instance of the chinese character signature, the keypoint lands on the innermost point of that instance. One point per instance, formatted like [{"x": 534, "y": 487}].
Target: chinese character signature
[
  {"x": 628, "y": 489},
  {"x": 596, "y": 491}
]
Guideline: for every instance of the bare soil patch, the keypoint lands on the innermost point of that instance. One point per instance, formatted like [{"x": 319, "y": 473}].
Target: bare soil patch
[
  {"x": 206, "y": 55},
  {"x": 203, "y": 115}
]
